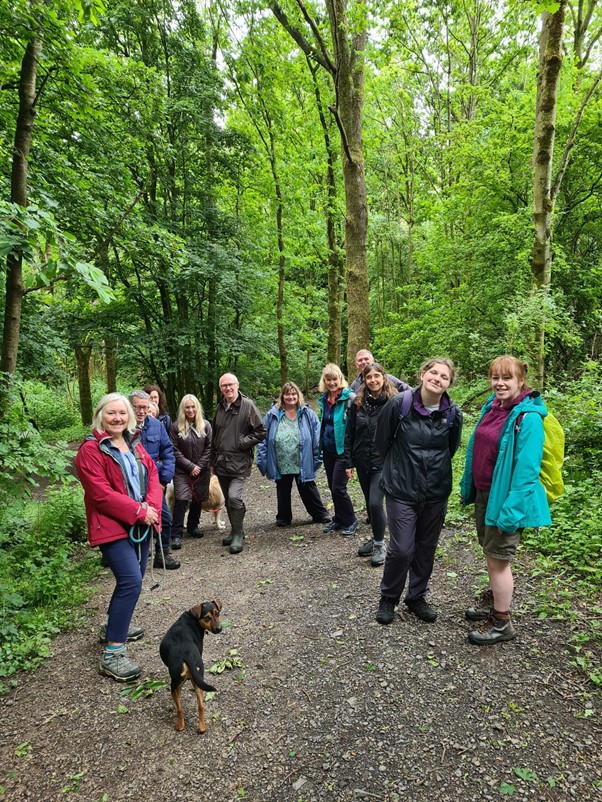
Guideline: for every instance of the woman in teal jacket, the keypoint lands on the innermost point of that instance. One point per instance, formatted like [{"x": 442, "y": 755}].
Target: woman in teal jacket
[
  {"x": 334, "y": 404},
  {"x": 501, "y": 477}
]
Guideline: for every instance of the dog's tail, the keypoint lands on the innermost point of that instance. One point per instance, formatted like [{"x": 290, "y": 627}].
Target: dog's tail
[{"x": 197, "y": 676}]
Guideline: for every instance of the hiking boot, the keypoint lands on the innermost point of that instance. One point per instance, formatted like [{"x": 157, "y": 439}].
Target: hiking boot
[
  {"x": 351, "y": 529},
  {"x": 496, "y": 628},
  {"x": 422, "y": 610},
  {"x": 333, "y": 526},
  {"x": 176, "y": 543},
  {"x": 386, "y": 610},
  {"x": 482, "y": 607},
  {"x": 379, "y": 553},
  {"x": 325, "y": 520},
  {"x": 280, "y": 522},
  {"x": 118, "y": 665},
  {"x": 170, "y": 563},
  {"x": 366, "y": 549},
  {"x": 196, "y": 532},
  {"x": 134, "y": 633}
]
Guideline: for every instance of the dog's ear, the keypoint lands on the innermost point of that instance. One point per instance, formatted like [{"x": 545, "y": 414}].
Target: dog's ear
[
  {"x": 217, "y": 603},
  {"x": 197, "y": 611}
]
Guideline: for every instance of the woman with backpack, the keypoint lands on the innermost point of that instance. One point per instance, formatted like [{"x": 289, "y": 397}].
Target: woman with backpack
[
  {"x": 501, "y": 478},
  {"x": 361, "y": 453},
  {"x": 418, "y": 434}
]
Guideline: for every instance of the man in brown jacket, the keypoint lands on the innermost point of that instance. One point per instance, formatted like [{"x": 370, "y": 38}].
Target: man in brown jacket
[{"x": 237, "y": 428}]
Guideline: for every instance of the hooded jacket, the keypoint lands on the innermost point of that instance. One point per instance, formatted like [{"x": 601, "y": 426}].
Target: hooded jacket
[
  {"x": 340, "y": 414},
  {"x": 157, "y": 444},
  {"x": 110, "y": 511},
  {"x": 418, "y": 450},
  {"x": 190, "y": 451},
  {"x": 309, "y": 444},
  {"x": 517, "y": 499}
]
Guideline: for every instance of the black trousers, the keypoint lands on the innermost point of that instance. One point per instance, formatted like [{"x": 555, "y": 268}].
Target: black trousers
[
  {"x": 308, "y": 492},
  {"x": 179, "y": 512},
  {"x": 334, "y": 465},
  {"x": 414, "y": 531}
]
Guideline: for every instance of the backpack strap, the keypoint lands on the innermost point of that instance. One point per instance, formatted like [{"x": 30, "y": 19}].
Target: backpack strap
[{"x": 407, "y": 399}]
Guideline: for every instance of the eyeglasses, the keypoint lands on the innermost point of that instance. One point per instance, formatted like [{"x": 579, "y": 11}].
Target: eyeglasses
[
  {"x": 140, "y": 407},
  {"x": 226, "y": 386}
]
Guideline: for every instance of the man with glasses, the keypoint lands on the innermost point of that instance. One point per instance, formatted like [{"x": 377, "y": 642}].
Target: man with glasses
[
  {"x": 237, "y": 428},
  {"x": 363, "y": 358},
  {"x": 157, "y": 444}
]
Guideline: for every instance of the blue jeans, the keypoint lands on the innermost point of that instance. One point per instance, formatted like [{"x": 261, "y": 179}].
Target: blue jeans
[{"x": 127, "y": 561}]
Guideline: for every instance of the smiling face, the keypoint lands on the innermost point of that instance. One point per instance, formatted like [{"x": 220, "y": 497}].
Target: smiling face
[
  {"x": 154, "y": 397},
  {"x": 140, "y": 406},
  {"x": 190, "y": 411},
  {"x": 436, "y": 379},
  {"x": 333, "y": 384},
  {"x": 375, "y": 381},
  {"x": 228, "y": 384},
  {"x": 290, "y": 399},
  {"x": 507, "y": 386},
  {"x": 115, "y": 418},
  {"x": 363, "y": 358}
]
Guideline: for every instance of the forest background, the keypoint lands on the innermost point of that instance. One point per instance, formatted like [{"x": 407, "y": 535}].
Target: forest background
[{"x": 194, "y": 187}]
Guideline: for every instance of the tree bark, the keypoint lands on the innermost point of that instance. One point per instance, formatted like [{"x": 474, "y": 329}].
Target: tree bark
[
  {"x": 18, "y": 194},
  {"x": 110, "y": 365},
  {"x": 550, "y": 61},
  {"x": 82, "y": 357}
]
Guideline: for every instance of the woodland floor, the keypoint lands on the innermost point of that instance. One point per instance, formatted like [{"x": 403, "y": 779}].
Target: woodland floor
[{"x": 328, "y": 705}]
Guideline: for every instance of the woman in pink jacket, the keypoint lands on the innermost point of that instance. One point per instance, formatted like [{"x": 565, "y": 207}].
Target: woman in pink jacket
[{"x": 123, "y": 498}]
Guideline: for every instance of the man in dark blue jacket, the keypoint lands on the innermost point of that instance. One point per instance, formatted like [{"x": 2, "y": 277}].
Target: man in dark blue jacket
[{"x": 157, "y": 444}]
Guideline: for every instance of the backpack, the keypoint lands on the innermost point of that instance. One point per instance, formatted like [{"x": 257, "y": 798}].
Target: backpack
[
  {"x": 550, "y": 474},
  {"x": 406, "y": 406}
]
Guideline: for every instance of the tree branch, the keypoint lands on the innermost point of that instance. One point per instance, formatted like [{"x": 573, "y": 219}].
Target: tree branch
[
  {"x": 298, "y": 37},
  {"x": 334, "y": 111}
]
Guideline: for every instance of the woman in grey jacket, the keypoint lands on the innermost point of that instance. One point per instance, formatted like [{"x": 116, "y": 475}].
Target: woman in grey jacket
[{"x": 291, "y": 452}]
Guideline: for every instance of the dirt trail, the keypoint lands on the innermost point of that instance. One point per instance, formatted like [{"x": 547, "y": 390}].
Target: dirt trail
[{"x": 328, "y": 704}]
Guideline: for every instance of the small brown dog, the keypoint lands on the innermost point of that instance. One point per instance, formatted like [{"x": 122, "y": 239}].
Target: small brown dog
[
  {"x": 215, "y": 501},
  {"x": 182, "y": 652}
]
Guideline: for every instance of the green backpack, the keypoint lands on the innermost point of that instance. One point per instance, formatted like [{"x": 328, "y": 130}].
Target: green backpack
[{"x": 550, "y": 474}]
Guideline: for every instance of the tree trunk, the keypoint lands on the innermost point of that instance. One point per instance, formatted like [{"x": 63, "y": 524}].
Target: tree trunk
[
  {"x": 550, "y": 61},
  {"x": 349, "y": 56},
  {"x": 18, "y": 194},
  {"x": 82, "y": 357},
  {"x": 110, "y": 365}
]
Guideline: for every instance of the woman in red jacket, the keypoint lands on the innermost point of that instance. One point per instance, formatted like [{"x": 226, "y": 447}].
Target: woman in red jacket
[{"x": 123, "y": 498}]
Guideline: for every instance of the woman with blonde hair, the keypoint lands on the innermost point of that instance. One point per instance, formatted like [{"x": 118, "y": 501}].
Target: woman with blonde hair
[
  {"x": 291, "y": 453},
  {"x": 123, "y": 500},
  {"x": 501, "y": 478},
  {"x": 334, "y": 404},
  {"x": 191, "y": 438}
]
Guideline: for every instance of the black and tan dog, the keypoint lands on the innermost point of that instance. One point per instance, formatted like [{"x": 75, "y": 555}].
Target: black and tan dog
[{"x": 182, "y": 652}]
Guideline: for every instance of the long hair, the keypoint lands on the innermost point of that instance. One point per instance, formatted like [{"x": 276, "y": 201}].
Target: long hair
[
  {"x": 331, "y": 371},
  {"x": 287, "y": 388},
  {"x": 389, "y": 388},
  {"x": 149, "y": 388},
  {"x": 107, "y": 399},
  {"x": 184, "y": 425}
]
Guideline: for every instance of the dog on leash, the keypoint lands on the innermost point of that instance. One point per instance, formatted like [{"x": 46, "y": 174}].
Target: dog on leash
[
  {"x": 182, "y": 652},
  {"x": 215, "y": 501}
]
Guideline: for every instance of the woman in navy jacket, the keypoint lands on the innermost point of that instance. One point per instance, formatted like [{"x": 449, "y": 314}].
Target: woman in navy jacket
[{"x": 291, "y": 452}]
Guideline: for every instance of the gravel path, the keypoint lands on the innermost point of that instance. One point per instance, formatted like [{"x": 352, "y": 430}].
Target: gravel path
[{"x": 328, "y": 705}]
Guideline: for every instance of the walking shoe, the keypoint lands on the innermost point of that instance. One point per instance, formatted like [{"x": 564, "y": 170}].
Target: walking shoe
[
  {"x": 325, "y": 520},
  {"x": 366, "y": 549},
  {"x": 134, "y": 633},
  {"x": 196, "y": 532},
  {"x": 482, "y": 607},
  {"x": 176, "y": 543},
  {"x": 333, "y": 526},
  {"x": 280, "y": 522},
  {"x": 422, "y": 610},
  {"x": 118, "y": 665},
  {"x": 170, "y": 563},
  {"x": 351, "y": 529},
  {"x": 378, "y": 554},
  {"x": 496, "y": 628},
  {"x": 386, "y": 611}
]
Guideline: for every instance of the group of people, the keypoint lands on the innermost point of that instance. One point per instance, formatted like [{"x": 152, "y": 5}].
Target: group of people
[{"x": 399, "y": 440}]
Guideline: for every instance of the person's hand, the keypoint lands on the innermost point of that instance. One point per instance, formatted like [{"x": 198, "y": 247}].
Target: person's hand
[
  {"x": 349, "y": 473},
  {"x": 195, "y": 471},
  {"x": 152, "y": 516}
]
